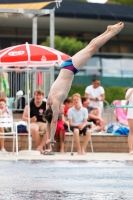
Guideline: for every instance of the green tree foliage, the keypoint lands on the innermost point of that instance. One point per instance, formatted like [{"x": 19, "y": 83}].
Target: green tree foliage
[
  {"x": 67, "y": 45},
  {"x": 124, "y": 2},
  {"x": 111, "y": 93}
]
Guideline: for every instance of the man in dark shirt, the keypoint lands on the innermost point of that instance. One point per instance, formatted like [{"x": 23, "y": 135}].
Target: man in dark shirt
[{"x": 38, "y": 123}]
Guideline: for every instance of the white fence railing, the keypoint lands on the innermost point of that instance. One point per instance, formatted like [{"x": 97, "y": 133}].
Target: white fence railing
[{"x": 13, "y": 85}]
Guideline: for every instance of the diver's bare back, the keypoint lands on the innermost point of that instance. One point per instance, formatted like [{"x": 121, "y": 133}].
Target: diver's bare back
[{"x": 60, "y": 88}]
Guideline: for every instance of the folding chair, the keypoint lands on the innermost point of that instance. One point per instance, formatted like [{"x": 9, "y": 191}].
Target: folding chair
[
  {"x": 71, "y": 133},
  {"x": 7, "y": 122}
]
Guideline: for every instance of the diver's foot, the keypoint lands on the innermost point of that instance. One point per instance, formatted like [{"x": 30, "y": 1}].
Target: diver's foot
[
  {"x": 115, "y": 29},
  {"x": 50, "y": 142},
  {"x": 48, "y": 152},
  {"x": 108, "y": 28}
]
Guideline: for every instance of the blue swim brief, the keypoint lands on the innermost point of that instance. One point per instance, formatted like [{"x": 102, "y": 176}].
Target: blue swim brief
[{"x": 67, "y": 64}]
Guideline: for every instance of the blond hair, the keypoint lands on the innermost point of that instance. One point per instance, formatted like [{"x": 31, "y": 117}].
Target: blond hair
[{"x": 76, "y": 95}]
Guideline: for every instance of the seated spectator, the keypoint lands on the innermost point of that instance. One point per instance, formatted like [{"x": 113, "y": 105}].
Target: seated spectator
[
  {"x": 94, "y": 115},
  {"x": 67, "y": 104},
  {"x": 37, "y": 121},
  {"x": 60, "y": 131},
  {"x": 95, "y": 93},
  {"x": 77, "y": 116},
  {"x": 4, "y": 111},
  {"x": 3, "y": 107},
  {"x": 9, "y": 100}
]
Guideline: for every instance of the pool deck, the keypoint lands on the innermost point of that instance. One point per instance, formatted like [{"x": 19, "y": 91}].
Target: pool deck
[{"x": 67, "y": 156}]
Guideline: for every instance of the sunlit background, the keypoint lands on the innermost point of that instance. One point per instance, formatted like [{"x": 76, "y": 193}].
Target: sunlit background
[{"x": 97, "y": 1}]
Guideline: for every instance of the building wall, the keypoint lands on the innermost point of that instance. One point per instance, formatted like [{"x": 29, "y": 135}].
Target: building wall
[{"x": 114, "y": 59}]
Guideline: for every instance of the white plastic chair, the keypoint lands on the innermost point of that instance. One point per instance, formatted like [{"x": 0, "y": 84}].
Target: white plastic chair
[
  {"x": 7, "y": 122},
  {"x": 70, "y": 133}
]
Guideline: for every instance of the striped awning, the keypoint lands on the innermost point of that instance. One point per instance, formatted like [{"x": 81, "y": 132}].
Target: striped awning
[{"x": 28, "y": 6}]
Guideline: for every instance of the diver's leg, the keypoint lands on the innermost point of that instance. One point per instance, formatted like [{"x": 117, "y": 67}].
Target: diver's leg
[{"x": 80, "y": 58}]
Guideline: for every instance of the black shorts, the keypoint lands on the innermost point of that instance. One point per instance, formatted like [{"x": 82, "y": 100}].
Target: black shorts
[
  {"x": 91, "y": 120},
  {"x": 66, "y": 127},
  {"x": 80, "y": 131}
]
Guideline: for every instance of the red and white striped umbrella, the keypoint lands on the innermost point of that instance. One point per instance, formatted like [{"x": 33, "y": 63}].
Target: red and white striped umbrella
[{"x": 31, "y": 55}]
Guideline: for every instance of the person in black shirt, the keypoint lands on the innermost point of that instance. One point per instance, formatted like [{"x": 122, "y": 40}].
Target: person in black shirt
[{"x": 38, "y": 123}]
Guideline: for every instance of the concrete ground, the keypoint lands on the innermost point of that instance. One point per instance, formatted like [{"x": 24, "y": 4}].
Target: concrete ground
[{"x": 67, "y": 156}]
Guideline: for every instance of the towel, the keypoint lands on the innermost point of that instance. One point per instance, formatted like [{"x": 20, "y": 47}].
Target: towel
[
  {"x": 122, "y": 131},
  {"x": 5, "y": 83}
]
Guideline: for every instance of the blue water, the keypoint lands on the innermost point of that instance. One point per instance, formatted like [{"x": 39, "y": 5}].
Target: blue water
[{"x": 66, "y": 180}]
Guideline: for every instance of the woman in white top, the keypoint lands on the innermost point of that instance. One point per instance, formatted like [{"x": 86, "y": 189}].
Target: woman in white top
[{"x": 129, "y": 98}]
